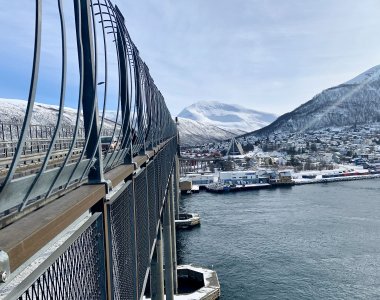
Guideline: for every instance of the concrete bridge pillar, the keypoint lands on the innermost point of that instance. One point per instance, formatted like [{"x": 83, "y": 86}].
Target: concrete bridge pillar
[{"x": 157, "y": 267}]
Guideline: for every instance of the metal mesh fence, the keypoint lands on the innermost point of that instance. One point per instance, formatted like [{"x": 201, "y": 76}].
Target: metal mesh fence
[
  {"x": 74, "y": 271},
  {"x": 133, "y": 217},
  {"x": 77, "y": 270},
  {"x": 152, "y": 199},
  {"x": 157, "y": 166},
  {"x": 142, "y": 228},
  {"x": 121, "y": 213},
  {"x": 163, "y": 172},
  {"x": 166, "y": 164}
]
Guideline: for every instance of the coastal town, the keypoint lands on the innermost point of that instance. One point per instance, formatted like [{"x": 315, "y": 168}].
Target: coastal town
[
  {"x": 312, "y": 150},
  {"x": 283, "y": 160}
]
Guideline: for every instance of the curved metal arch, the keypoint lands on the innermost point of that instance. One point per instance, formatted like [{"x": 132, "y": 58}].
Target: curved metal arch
[
  {"x": 145, "y": 119},
  {"x": 61, "y": 105},
  {"x": 32, "y": 93},
  {"x": 79, "y": 107}
]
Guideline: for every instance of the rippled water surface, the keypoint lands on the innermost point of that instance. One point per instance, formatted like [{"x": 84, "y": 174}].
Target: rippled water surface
[{"x": 317, "y": 241}]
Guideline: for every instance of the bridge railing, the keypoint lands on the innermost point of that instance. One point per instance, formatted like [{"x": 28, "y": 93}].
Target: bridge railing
[
  {"x": 112, "y": 158},
  {"x": 110, "y": 254},
  {"x": 120, "y": 113},
  {"x": 39, "y": 138},
  {"x": 76, "y": 270}
]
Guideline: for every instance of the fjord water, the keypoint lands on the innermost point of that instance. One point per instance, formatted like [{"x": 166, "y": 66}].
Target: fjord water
[{"x": 318, "y": 241}]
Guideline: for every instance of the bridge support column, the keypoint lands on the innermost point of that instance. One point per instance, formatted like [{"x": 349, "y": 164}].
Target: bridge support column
[
  {"x": 157, "y": 267},
  {"x": 173, "y": 234},
  {"x": 176, "y": 187},
  {"x": 169, "y": 284}
]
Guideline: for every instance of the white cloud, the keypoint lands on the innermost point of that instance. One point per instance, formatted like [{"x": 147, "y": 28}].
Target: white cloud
[{"x": 269, "y": 55}]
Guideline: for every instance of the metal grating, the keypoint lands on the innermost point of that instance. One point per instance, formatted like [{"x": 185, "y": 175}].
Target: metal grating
[
  {"x": 153, "y": 216},
  {"x": 142, "y": 229},
  {"x": 78, "y": 272},
  {"x": 121, "y": 214},
  {"x": 162, "y": 179},
  {"x": 157, "y": 166},
  {"x": 74, "y": 271},
  {"x": 164, "y": 171}
]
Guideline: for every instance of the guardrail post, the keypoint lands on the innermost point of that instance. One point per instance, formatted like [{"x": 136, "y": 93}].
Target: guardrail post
[
  {"x": 89, "y": 99},
  {"x": 173, "y": 234},
  {"x": 169, "y": 284},
  {"x": 176, "y": 186},
  {"x": 157, "y": 274},
  {"x": 100, "y": 207}
]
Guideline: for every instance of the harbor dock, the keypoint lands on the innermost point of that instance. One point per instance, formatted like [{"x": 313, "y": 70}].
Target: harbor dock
[
  {"x": 253, "y": 180},
  {"x": 300, "y": 181}
]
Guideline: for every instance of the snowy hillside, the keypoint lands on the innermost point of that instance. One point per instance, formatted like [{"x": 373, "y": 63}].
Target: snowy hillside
[
  {"x": 12, "y": 111},
  {"x": 356, "y": 101},
  {"x": 193, "y": 133},
  {"x": 230, "y": 117}
]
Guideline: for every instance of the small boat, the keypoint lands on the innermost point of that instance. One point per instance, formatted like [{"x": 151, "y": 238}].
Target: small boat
[
  {"x": 188, "y": 220},
  {"x": 309, "y": 176},
  {"x": 251, "y": 186},
  {"x": 218, "y": 188},
  {"x": 195, "y": 188},
  {"x": 224, "y": 188}
]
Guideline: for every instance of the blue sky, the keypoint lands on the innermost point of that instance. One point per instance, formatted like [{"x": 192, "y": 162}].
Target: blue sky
[{"x": 269, "y": 55}]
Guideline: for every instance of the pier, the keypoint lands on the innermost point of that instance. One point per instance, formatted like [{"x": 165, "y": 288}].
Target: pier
[
  {"x": 336, "y": 179},
  {"x": 237, "y": 181}
]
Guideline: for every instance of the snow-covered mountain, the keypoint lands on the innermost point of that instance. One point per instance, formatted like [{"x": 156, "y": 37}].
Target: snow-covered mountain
[
  {"x": 356, "y": 101},
  {"x": 12, "y": 111},
  {"x": 193, "y": 133},
  {"x": 231, "y": 117}
]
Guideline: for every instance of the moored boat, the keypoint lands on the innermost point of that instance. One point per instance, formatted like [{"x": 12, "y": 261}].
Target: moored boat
[
  {"x": 218, "y": 188},
  {"x": 188, "y": 220}
]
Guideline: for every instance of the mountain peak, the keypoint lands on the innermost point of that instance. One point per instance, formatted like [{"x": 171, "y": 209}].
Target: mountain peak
[
  {"x": 355, "y": 102},
  {"x": 231, "y": 117},
  {"x": 212, "y": 104},
  {"x": 369, "y": 75}
]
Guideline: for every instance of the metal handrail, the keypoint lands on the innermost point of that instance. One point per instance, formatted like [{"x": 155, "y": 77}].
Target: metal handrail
[{"x": 142, "y": 117}]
